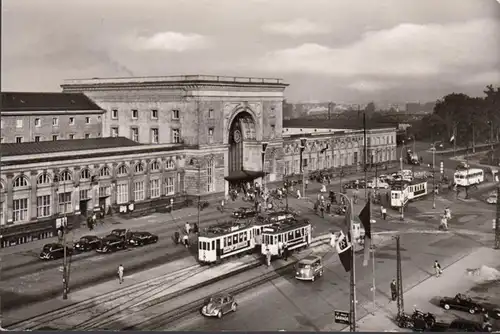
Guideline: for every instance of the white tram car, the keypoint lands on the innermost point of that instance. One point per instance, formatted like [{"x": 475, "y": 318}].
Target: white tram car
[
  {"x": 403, "y": 191},
  {"x": 468, "y": 177},
  {"x": 296, "y": 233},
  {"x": 225, "y": 240},
  {"x": 268, "y": 220}
]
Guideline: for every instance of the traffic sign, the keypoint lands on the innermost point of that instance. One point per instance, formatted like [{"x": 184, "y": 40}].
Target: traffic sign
[{"x": 342, "y": 317}]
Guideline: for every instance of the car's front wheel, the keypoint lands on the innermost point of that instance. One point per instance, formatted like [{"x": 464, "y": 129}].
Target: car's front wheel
[
  {"x": 472, "y": 311},
  {"x": 219, "y": 314},
  {"x": 446, "y": 306},
  {"x": 234, "y": 307}
]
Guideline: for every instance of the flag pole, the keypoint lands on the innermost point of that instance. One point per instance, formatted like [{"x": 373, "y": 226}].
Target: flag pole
[
  {"x": 365, "y": 153},
  {"x": 353, "y": 272}
]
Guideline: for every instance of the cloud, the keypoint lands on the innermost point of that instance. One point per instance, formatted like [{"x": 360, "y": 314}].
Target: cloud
[
  {"x": 370, "y": 86},
  {"x": 406, "y": 50},
  {"x": 172, "y": 41},
  {"x": 295, "y": 28}
]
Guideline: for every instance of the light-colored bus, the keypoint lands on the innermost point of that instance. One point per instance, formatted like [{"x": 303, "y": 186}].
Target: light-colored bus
[{"x": 468, "y": 177}]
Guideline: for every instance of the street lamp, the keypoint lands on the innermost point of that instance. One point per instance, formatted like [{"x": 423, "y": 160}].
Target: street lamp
[
  {"x": 196, "y": 163},
  {"x": 302, "y": 147},
  {"x": 401, "y": 158},
  {"x": 263, "y": 155},
  {"x": 63, "y": 229},
  {"x": 433, "y": 149}
]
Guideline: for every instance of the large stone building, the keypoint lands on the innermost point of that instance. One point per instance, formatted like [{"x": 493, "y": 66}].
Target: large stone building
[
  {"x": 187, "y": 137},
  {"x": 33, "y": 117}
]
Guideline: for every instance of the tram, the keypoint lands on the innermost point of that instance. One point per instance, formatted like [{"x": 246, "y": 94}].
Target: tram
[
  {"x": 468, "y": 177},
  {"x": 404, "y": 191},
  {"x": 296, "y": 233}
]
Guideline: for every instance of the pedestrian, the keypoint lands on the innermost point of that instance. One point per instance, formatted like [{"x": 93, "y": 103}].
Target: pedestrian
[
  {"x": 285, "y": 251},
  {"x": 394, "y": 290},
  {"x": 187, "y": 227},
  {"x": 120, "y": 273},
  {"x": 322, "y": 209},
  {"x": 222, "y": 205},
  {"x": 437, "y": 268},
  {"x": 185, "y": 240},
  {"x": 307, "y": 183},
  {"x": 195, "y": 228},
  {"x": 268, "y": 257},
  {"x": 177, "y": 237},
  {"x": 384, "y": 213},
  {"x": 298, "y": 194},
  {"x": 381, "y": 210},
  {"x": 280, "y": 248}
]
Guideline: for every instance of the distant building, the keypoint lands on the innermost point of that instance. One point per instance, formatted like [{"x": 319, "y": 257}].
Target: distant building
[
  {"x": 33, "y": 117},
  {"x": 418, "y": 108}
]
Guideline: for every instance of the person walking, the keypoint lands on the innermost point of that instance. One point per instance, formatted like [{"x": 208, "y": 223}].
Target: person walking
[
  {"x": 120, "y": 273},
  {"x": 187, "y": 227},
  {"x": 280, "y": 248},
  {"x": 394, "y": 290},
  {"x": 268, "y": 257},
  {"x": 185, "y": 240},
  {"x": 222, "y": 205},
  {"x": 437, "y": 268},
  {"x": 384, "y": 213},
  {"x": 285, "y": 251}
]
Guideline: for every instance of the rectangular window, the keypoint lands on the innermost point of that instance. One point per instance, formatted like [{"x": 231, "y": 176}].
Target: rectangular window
[
  {"x": 176, "y": 136},
  {"x": 210, "y": 135},
  {"x": 84, "y": 194},
  {"x": 139, "y": 191},
  {"x": 87, "y": 135},
  {"x": 169, "y": 186},
  {"x": 37, "y": 139},
  {"x": 19, "y": 140},
  {"x": 155, "y": 136},
  {"x": 210, "y": 113},
  {"x": 122, "y": 193},
  {"x": 154, "y": 188},
  {"x": 135, "y": 114},
  {"x": 114, "y": 114},
  {"x": 71, "y": 136},
  {"x": 20, "y": 210},
  {"x": 87, "y": 120},
  {"x": 38, "y": 122},
  {"x": 65, "y": 203},
  {"x": 55, "y": 137},
  {"x": 114, "y": 132},
  {"x": 154, "y": 114},
  {"x": 71, "y": 121},
  {"x": 19, "y": 123},
  {"x": 273, "y": 131},
  {"x": 175, "y": 114},
  {"x": 55, "y": 121},
  {"x": 135, "y": 134},
  {"x": 104, "y": 191},
  {"x": 43, "y": 206}
]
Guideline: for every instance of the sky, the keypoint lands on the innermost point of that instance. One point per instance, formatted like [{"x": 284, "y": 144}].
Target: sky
[{"x": 346, "y": 51}]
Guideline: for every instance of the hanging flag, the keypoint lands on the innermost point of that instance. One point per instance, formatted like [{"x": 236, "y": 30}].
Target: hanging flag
[
  {"x": 364, "y": 216},
  {"x": 347, "y": 219},
  {"x": 344, "y": 250}
]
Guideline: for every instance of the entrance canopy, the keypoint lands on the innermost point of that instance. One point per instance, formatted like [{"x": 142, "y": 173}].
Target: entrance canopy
[{"x": 244, "y": 175}]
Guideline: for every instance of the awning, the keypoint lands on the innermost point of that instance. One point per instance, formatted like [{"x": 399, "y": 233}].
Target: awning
[{"x": 244, "y": 175}]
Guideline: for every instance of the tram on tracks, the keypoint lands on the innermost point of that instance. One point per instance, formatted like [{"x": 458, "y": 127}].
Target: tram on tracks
[
  {"x": 296, "y": 233},
  {"x": 262, "y": 222},
  {"x": 404, "y": 191}
]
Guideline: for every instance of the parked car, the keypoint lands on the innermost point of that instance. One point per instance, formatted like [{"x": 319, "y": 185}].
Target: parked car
[
  {"x": 492, "y": 199},
  {"x": 464, "y": 325},
  {"x": 244, "y": 212},
  {"x": 142, "y": 238},
  {"x": 379, "y": 184},
  {"x": 54, "y": 251},
  {"x": 119, "y": 232},
  {"x": 111, "y": 243},
  {"x": 219, "y": 305},
  {"x": 87, "y": 243},
  {"x": 460, "y": 302},
  {"x": 309, "y": 268}
]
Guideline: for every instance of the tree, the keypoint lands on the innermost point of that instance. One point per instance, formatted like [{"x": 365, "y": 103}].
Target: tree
[{"x": 370, "y": 108}]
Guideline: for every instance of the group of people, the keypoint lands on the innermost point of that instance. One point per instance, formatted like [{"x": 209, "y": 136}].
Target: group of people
[
  {"x": 184, "y": 240},
  {"x": 438, "y": 271},
  {"x": 283, "y": 252},
  {"x": 445, "y": 217}
]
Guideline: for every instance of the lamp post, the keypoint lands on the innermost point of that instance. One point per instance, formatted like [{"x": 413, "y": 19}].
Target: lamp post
[
  {"x": 263, "y": 155},
  {"x": 433, "y": 149},
  {"x": 401, "y": 158},
  {"x": 302, "y": 147},
  {"x": 467, "y": 170},
  {"x": 196, "y": 163},
  {"x": 63, "y": 224}
]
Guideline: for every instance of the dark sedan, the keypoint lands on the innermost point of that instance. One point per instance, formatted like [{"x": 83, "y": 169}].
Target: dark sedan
[
  {"x": 462, "y": 303},
  {"x": 119, "y": 232},
  {"x": 111, "y": 243},
  {"x": 142, "y": 238},
  {"x": 245, "y": 213},
  {"x": 54, "y": 251},
  {"x": 87, "y": 243}
]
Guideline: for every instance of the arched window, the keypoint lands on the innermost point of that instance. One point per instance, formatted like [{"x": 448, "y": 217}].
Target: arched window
[
  {"x": 155, "y": 166},
  {"x": 122, "y": 170},
  {"x": 43, "y": 179},
  {"x": 210, "y": 176},
  {"x": 20, "y": 181},
  {"x": 65, "y": 176},
  {"x": 85, "y": 174},
  {"x": 139, "y": 167},
  {"x": 104, "y": 171},
  {"x": 2, "y": 189},
  {"x": 169, "y": 164}
]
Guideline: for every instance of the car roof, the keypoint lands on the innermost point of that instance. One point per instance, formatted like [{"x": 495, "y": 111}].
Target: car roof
[
  {"x": 310, "y": 259},
  {"x": 112, "y": 236},
  {"x": 221, "y": 295},
  {"x": 52, "y": 244},
  {"x": 118, "y": 230},
  {"x": 89, "y": 237}
]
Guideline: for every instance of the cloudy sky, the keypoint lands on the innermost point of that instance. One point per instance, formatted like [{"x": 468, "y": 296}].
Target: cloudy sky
[{"x": 350, "y": 51}]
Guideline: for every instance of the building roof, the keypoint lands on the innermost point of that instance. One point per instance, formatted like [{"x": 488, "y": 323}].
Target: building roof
[
  {"x": 41, "y": 101},
  {"x": 14, "y": 149},
  {"x": 349, "y": 124}
]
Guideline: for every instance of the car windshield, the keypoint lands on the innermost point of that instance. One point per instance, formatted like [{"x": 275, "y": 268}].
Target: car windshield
[
  {"x": 47, "y": 247},
  {"x": 304, "y": 265},
  {"x": 216, "y": 300},
  {"x": 84, "y": 240}
]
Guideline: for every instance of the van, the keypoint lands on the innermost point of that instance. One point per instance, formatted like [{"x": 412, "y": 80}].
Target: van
[{"x": 309, "y": 268}]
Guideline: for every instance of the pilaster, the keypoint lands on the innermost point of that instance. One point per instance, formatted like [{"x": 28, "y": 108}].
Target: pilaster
[
  {"x": 33, "y": 193},
  {"x": 147, "y": 177},
  {"x": 10, "y": 198}
]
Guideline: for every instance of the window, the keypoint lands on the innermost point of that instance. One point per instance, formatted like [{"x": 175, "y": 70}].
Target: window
[
  {"x": 55, "y": 121},
  {"x": 71, "y": 136},
  {"x": 154, "y": 114},
  {"x": 154, "y": 188},
  {"x": 122, "y": 193},
  {"x": 19, "y": 140},
  {"x": 65, "y": 176},
  {"x": 87, "y": 120},
  {"x": 169, "y": 164},
  {"x": 288, "y": 169},
  {"x": 84, "y": 194},
  {"x": 20, "y": 210},
  {"x": 85, "y": 174},
  {"x": 105, "y": 171},
  {"x": 55, "y": 137},
  {"x": 65, "y": 202},
  {"x": 210, "y": 135},
  {"x": 169, "y": 186},
  {"x": 139, "y": 168},
  {"x": 104, "y": 191},
  {"x": 71, "y": 121},
  {"x": 114, "y": 132},
  {"x": 98, "y": 135},
  {"x": 273, "y": 131},
  {"x": 43, "y": 179},
  {"x": 176, "y": 136},
  {"x": 122, "y": 170},
  {"x": 20, "y": 182},
  {"x": 210, "y": 113},
  {"x": 155, "y": 136},
  {"x": 43, "y": 206},
  {"x": 114, "y": 114},
  {"x": 135, "y": 134},
  {"x": 1, "y": 140},
  {"x": 135, "y": 113},
  {"x": 155, "y": 166},
  {"x": 19, "y": 123},
  {"x": 211, "y": 176},
  {"x": 38, "y": 122},
  {"x": 87, "y": 135},
  {"x": 139, "y": 190},
  {"x": 175, "y": 114}
]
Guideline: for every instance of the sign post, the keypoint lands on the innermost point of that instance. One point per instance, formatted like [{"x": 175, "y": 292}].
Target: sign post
[{"x": 342, "y": 317}]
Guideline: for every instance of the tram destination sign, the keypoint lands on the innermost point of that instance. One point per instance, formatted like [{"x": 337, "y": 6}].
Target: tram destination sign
[{"x": 342, "y": 317}]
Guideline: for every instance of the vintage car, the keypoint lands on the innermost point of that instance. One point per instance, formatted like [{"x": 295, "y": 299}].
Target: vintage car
[
  {"x": 87, "y": 243},
  {"x": 464, "y": 325},
  {"x": 462, "y": 303},
  {"x": 119, "y": 232},
  {"x": 111, "y": 243},
  {"x": 54, "y": 251},
  {"x": 142, "y": 238},
  {"x": 309, "y": 268},
  {"x": 244, "y": 212},
  {"x": 219, "y": 305},
  {"x": 379, "y": 184}
]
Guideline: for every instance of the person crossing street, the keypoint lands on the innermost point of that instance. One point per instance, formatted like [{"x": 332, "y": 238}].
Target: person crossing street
[
  {"x": 437, "y": 268},
  {"x": 120, "y": 273},
  {"x": 394, "y": 290}
]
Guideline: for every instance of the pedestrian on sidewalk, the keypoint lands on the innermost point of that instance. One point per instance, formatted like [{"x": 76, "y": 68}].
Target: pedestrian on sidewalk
[
  {"x": 268, "y": 257},
  {"x": 298, "y": 194},
  {"x": 222, "y": 205},
  {"x": 307, "y": 183},
  {"x": 280, "y": 248},
  {"x": 394, "y": 290},
  {"x": 120, "y": 273},
  {"x": 285, "y": 251},
  {"x": 187, "y": 227},
  {"x": 437, "y": 268},
  {"x": 185, "y": 240},
  {"x": 384, "y": 213}
]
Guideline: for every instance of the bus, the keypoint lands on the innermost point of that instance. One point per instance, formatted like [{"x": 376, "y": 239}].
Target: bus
[{"x": 468, "y": 177}]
